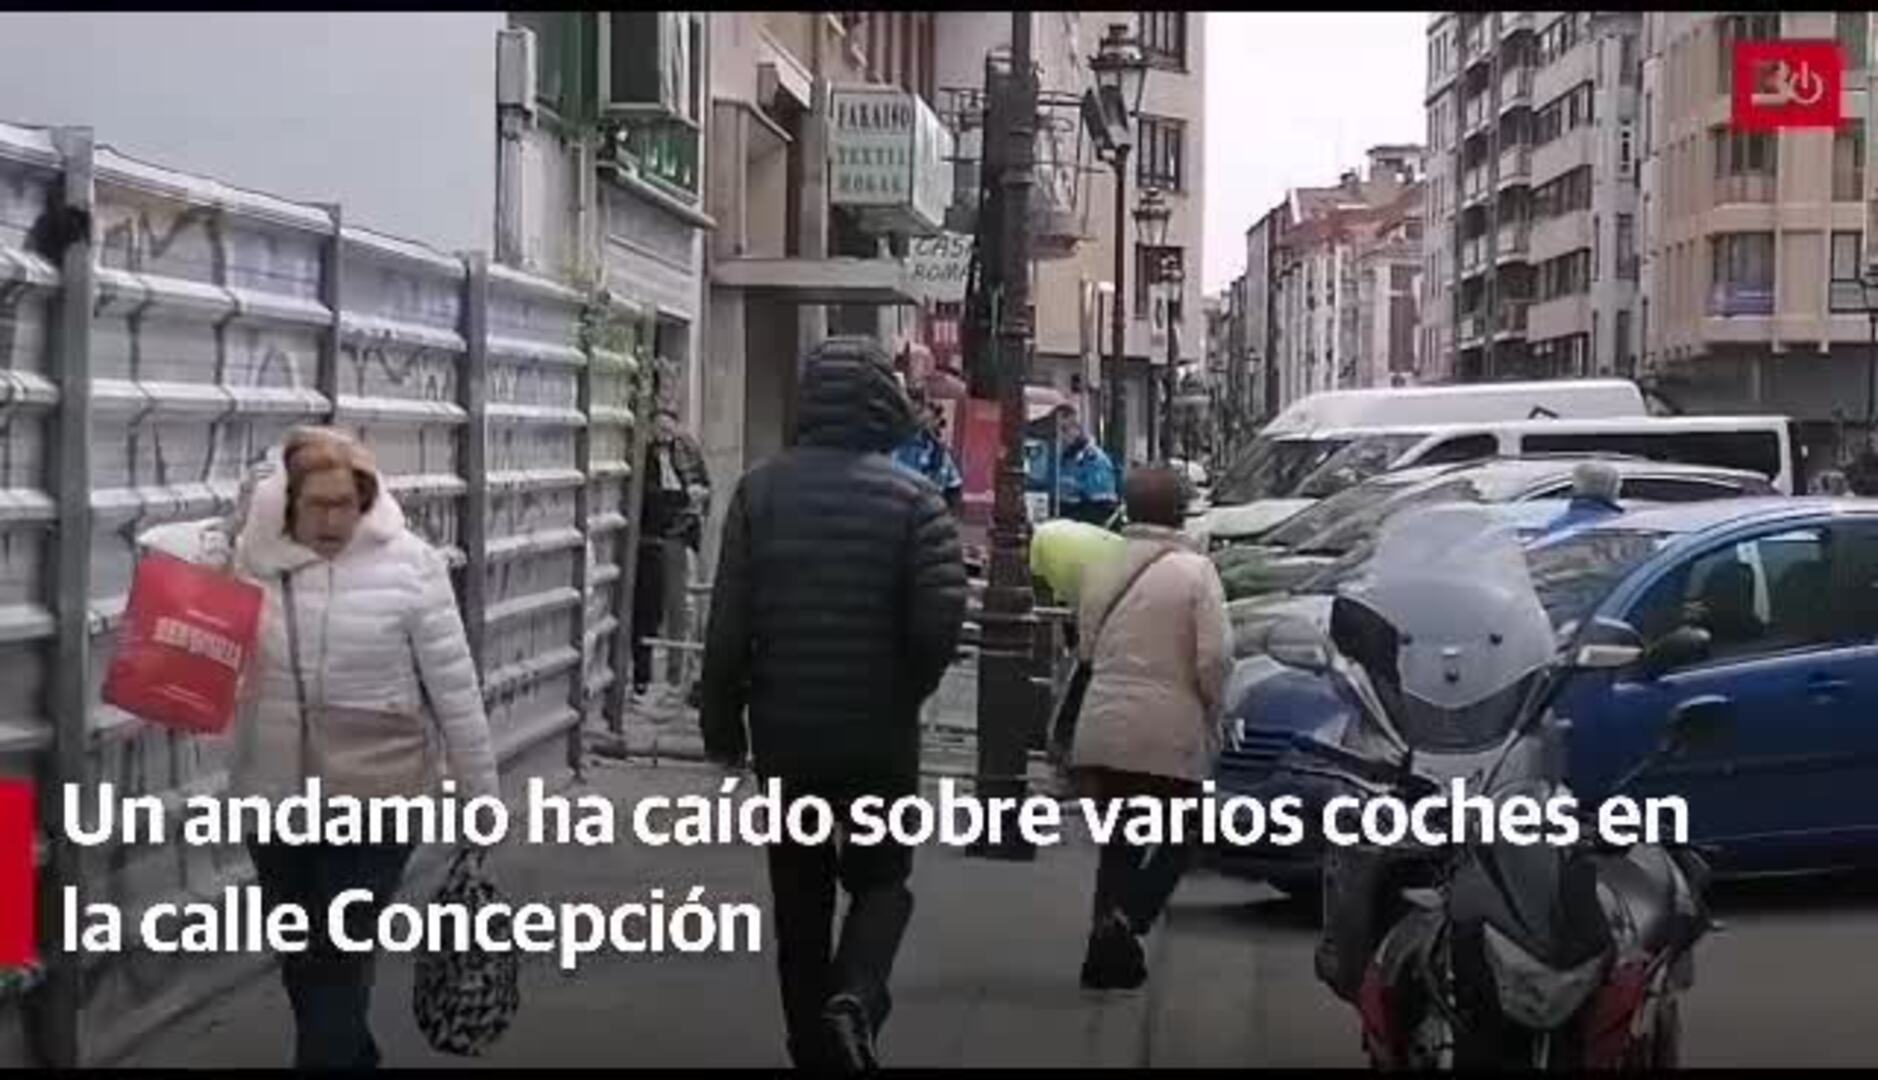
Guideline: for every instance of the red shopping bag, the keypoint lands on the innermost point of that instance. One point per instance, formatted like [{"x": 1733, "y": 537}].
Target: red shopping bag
[{"x": 187, "y": 636}]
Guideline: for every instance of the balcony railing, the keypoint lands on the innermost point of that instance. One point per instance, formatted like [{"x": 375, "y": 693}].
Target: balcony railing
[
  {"x": 1515, "y": 87},
  {"x": 1745, "y": 188},
  {"x": 1515, "y": 165},
  {"x": 1514, "y": 241},
  {"x": 1511, "y": 318},
  {"x": 1473, "y": 255},
  {"x": 663, "y": 150},
  {"x": 1731, "y": 298},
  {"x": 1473, "y": 185},
  {"x": 1473, "y": 327}
]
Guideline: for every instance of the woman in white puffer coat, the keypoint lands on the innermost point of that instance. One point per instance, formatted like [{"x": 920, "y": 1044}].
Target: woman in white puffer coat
[{"x": 383, "y": 676}]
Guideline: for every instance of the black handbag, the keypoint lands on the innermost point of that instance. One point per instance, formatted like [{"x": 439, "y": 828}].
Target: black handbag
[{"x": 464, "y": 1001}]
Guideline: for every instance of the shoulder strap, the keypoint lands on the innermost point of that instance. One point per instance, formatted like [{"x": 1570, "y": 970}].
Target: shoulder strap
[
  {"x": 292, "y": 616},
  {"x": 1127, "y": 587}
]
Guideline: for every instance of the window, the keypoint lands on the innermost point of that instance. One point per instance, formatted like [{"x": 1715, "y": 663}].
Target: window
[
  {"x": 1151, "y": 268},
  {"x": 1753, "y": 450},
  {"x": 1629, "y": 66},
  {"x": 1742, "y": 273},
  {"x": 1162, "y": 153},
  {"x": 1763, "y": 596},
  {"x": 650, "y": 61},
  {"x": 1621, "y": 348},
  {"x": 1558, "y": 39},
  {"x": 1568, "y": 193},
  {"x": 1597, "y": 249},
  {"x": 1740, "y": 152},
  {"x": 1675, "y": 490},
  {"x": 1729, "y": 29},
  {"x": 1852, "y": 32},
  {"x": 1847, "y": 267},
  {"x": 1626, "y": 154},
  {"x": 563, "y": 82},
  {"x": 1164, "y": 38},
  {"x": 1461, "y": 448},
  {"x": 1626, "y": 247},
  {"x": 1848, "y": 163},
  {"x": 1567, "y": 275}
]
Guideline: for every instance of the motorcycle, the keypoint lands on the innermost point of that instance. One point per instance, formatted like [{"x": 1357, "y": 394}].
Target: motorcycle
[{"x": 1478, "y": 952}]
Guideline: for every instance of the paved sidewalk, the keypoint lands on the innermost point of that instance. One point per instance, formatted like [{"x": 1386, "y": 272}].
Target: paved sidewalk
[{"x": 987, "y": 977}]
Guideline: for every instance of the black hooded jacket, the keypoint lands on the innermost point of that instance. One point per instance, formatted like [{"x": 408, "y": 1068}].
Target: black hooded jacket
[{"x": 840, "y": 590}]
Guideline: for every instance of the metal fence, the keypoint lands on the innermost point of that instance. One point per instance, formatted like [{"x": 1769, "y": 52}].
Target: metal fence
[{"x": 158, "y": 332}]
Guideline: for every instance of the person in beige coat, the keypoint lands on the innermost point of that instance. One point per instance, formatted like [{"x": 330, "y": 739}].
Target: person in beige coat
[{"x": 1154, "y": 628}]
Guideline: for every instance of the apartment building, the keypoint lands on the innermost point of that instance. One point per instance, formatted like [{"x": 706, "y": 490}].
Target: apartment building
[
  {"x": 1343, "y": 279},
  {"x": 1531, "y": 256},
  {"x": 1755, "y": 241}
]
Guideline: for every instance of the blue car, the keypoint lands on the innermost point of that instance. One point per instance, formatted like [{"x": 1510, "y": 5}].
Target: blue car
[{"x": 1787, "y": 591}]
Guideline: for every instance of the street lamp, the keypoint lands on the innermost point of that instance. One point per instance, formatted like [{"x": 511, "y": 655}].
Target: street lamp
[
  {"x": 1868, "y": 287},
  {"x": 1121, "y": 75},
  {"x": 1152, "y": 217}
]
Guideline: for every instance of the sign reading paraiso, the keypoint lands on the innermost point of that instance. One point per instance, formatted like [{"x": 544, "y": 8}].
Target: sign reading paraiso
[{"x": 889, "y": 151}]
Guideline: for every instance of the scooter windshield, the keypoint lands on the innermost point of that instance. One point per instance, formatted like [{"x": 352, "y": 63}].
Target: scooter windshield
[{"x": 1464, "y": 634}]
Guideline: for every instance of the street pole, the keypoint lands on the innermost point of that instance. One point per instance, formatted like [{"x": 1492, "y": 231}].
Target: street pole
[
  {"x": 1173, "y": 367},
  {"x": 1006, "y": 696},
  {"x": 1871, "y": 379},
  {"x": 1118, "y": 319}
]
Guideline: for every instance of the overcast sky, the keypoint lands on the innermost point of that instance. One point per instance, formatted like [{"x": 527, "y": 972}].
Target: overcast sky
[{"x": 1292, "y": 100}]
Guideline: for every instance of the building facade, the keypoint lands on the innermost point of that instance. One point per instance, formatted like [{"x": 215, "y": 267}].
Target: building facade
[
  {"x": 1531, "y": 258},
  {"x": 1755, "y": 241},
  {"x": 1344, "y": 269}
]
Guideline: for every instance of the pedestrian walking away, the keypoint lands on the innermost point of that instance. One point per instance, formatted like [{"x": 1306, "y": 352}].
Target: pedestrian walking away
[
  {"x": 677, "y": 500},
  {"x": 837, "y": 606},
  {"x": 1155, "y": 634},
  {"x": 363, "y": 663}
]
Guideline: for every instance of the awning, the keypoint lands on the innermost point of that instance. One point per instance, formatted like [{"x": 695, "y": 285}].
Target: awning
[{"x": 882, "y": 282}]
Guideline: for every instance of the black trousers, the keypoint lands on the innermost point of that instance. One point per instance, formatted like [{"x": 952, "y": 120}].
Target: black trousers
[
  {"x": 812, "y": 964},
  {"x": 1136, "y": 879},
  {"x": 648, "y": 607},
  {"x": 330, "y": 991}
]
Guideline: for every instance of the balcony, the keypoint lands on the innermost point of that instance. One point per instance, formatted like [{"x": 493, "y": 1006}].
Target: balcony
[
  {"x": 1472, "y": 329},
  {"x": 1510, "y": 320},
  {"x": 1475, "y": 116},
  {"x": 1514, "y": 22},
  {"x": 1473, "y": 186},
  {"x": 1474, "y": 46},
  {"x": 1473, "y": 256},
  {"x": 1515, "y": 166},
  {"x": 1745, "y": 188},
  {"x": 1728, "y": 298},
  {"x": 1515, "y": 88},
  {"x": 1514, "y": 241},
  {"x": 661, "y": 150}
]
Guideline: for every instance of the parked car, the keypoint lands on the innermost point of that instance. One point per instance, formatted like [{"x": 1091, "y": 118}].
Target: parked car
[
  {"x": 1348, "y": 522},
  {"x": 1786, "y": 591},
  {"x": 1259, "y": 488}
]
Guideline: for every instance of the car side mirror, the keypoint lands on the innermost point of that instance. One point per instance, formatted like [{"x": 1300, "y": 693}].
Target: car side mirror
[
  {"x": 1679, "y": 648},
  {"x": 1698, "y": 724},
  {"x": 1297, "y": 643},
  {"x": 1607, "y": 645}
]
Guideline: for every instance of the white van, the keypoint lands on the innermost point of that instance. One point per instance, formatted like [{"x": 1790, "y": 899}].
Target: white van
[
  {"x": 1762, "y": 444},
  {"x": 1255, "y": 492}
]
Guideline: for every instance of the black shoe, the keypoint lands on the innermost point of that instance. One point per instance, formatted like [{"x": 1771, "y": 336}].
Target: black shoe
[
  {"x": 1114, "y": 960},
  {"x": 850, "y": 1037}
]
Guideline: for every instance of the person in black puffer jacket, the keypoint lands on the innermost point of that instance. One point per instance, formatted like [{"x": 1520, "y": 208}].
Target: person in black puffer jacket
[{"x": 836, "y": 609}]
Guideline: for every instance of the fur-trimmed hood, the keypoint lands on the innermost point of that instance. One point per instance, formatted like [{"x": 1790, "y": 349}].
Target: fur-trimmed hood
[{"x": 266, "y": 548}]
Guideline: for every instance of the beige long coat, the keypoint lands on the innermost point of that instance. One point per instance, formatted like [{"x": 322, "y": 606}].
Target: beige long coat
[{"x": 1160, "y": 661}]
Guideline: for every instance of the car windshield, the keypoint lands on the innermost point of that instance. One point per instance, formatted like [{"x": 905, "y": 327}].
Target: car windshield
[
  {"x": 1364, "y": 458},
  {"x": 1328, "y": 513},
  {"x": 1574, "y": 575},
  {"x": 1272, "y": 467},
  {"x": 1360, "y": 528}
]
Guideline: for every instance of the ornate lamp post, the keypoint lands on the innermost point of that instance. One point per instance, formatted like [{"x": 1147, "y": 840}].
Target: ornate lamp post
[
  {"x": 1121, "y": 74},
  {"x": 1152, "y": 216}
]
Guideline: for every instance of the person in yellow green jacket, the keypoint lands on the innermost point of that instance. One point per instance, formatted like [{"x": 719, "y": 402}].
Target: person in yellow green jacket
[{"x": 1063, "y": 549}]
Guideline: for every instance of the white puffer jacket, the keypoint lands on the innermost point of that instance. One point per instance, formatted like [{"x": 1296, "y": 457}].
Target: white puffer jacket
[{"x": 373, "y": 621}]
